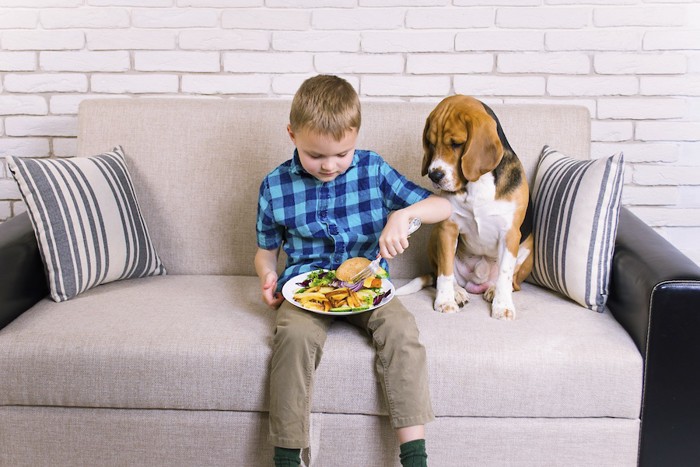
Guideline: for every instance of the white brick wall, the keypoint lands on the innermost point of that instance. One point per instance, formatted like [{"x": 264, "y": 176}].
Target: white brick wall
[{"x": 635, "y": 64}]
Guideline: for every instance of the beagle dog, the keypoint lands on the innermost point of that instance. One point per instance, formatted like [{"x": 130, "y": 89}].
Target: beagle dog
[{"x": 486, "y": 245}]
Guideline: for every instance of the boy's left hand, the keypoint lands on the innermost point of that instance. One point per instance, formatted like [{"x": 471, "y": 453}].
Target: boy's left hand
[
  {"x": 272, "y": 298},
  {"x": 394, "y": 238}
]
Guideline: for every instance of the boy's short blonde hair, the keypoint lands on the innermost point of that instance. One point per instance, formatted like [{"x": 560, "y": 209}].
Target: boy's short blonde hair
[{"x": 327, "y": 105}]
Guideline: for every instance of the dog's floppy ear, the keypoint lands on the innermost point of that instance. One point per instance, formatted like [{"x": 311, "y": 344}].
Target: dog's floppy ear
[
  {"x": 427, "y": 151},
  {"x": 483, "y": 149}
]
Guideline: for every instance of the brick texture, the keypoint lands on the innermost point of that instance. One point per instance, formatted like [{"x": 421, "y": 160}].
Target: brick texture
[{"x": 635, "y": 64}]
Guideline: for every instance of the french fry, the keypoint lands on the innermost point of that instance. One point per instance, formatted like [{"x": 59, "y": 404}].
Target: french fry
[
  {"x": 313, "y": 305},
  {"x": 309, "y": 296},
  {"x": 340, "y": 303},
  {"x": 339, "y": 293}
]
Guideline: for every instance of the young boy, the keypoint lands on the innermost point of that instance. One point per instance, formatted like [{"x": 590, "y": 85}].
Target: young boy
[{"x": 329, "y": 203}]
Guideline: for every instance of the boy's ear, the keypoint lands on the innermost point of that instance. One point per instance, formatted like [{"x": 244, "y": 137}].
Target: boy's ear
[{"x": 291, "y": 134}]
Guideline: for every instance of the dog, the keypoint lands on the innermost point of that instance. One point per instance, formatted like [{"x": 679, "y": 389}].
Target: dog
[{"x": 486, "y": 245}]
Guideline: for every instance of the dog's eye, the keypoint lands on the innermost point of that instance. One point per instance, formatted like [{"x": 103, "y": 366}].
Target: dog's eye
[
  {"x": 431, "y": 146},
  {"x": 456, "y": 145}
]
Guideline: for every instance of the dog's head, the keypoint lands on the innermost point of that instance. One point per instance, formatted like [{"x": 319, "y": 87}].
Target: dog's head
[{"x": 460, "y": 143}]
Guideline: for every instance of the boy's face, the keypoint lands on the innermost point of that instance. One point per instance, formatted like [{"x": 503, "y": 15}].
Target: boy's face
[{"x": 321, "y": 155}]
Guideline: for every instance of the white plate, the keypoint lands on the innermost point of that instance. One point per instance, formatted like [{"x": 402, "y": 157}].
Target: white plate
[{"x": 292, "y": 285}]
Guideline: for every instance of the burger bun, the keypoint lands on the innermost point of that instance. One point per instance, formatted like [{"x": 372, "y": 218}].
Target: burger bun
[{"x": 350, "y": 268}]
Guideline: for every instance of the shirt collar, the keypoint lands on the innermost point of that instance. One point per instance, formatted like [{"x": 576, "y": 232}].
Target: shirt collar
[
  {"x": 298, "y": 169},
  {"x": 296, "y": 166}
]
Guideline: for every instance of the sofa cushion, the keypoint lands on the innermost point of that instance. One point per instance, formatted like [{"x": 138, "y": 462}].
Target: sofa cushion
[
  {"x": 87, "y": 221},
  {"x": 168, "y": 438},
  {"x": 576, "y": 208},
  {"x": 203, "y": 342}
]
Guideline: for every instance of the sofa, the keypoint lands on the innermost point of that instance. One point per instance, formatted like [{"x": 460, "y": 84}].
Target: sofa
[{"x": 172, "y": 369}]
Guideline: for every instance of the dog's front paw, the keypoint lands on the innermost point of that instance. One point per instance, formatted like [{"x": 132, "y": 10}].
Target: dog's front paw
[
  {"x": 503, "y": 310},
  {"x": 446, "y": 306},
  {"x": 446, "y": 300}
]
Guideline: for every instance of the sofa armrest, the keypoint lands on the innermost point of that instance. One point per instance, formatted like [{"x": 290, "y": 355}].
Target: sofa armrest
[
  {"x": 655, "y": 295},
  {"x": 22, "y": 277}
]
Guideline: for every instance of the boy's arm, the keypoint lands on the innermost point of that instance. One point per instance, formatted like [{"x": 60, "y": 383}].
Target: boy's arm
[
  {"x": 431, "y": 210},
  {"x": 266, "y": 268},
  {"x": 394, "y": 237}
]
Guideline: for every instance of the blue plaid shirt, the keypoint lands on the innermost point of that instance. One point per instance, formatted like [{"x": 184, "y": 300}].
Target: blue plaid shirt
[{"x": 319, "y": 224}]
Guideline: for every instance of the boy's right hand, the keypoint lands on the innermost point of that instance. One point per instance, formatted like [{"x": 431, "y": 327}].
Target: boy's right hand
[{"x": 270, "y": 296}]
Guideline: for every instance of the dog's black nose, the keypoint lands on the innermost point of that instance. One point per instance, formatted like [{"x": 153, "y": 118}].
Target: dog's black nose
[{"x": 436, "y": 175}]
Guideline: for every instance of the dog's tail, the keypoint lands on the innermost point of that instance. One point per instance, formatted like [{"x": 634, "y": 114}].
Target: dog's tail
[{"x": 416, "y": 285}]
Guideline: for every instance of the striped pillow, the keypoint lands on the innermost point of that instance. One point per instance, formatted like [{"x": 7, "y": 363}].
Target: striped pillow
[
  {"x": 576, "y": 208},
  {"x": 87, "y": 221}
]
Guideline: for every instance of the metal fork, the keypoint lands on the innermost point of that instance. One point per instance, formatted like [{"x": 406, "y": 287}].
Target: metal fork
[{"x": 372, "y": 268}]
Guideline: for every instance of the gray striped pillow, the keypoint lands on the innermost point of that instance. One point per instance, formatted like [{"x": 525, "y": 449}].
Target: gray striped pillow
[
  {"x": 87, "y": 221},
  {"x": 576, "y": 209}
]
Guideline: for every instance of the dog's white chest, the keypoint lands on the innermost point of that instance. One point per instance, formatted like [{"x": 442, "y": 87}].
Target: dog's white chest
[{"x": 482, "y": 219}]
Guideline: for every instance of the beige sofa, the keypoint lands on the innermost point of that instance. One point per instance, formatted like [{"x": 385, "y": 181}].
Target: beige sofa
[{"x": 172, "y": 370}]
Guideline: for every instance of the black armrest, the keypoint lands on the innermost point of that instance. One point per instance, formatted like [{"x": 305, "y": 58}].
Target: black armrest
[
  {"x": 22, "y": 277},
  {"x": 655, "y": 295}
]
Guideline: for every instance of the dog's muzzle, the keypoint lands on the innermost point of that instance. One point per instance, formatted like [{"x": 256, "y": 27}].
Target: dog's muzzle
[
  {"x": 443, "y": 176},
  {"x": 436, "y": 176}
]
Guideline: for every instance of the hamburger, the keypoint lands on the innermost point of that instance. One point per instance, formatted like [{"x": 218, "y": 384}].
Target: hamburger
[{"x": 350, "y": 268}]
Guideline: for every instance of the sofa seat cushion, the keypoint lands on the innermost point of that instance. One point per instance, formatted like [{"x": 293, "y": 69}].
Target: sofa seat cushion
[{"x": 203, "y": 343}]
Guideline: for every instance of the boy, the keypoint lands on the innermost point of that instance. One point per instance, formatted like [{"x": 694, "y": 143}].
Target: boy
[{"x": 325, "y": 205}]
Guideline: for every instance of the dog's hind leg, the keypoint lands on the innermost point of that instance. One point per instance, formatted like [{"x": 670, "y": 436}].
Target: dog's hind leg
[
  {"x": 524, "y": 263},
  {"x": 462, "y": 296}
]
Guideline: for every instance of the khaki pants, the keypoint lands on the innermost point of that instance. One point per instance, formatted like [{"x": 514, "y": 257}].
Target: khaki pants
[{"x": 297, "y": 349}]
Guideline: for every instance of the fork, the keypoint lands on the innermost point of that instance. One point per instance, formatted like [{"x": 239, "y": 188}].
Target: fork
[{"x": 372, "y": 268}]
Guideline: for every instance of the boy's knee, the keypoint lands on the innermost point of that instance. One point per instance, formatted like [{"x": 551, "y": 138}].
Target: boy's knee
[
  {"x": 294, "y": 335},
  {"x": 397, "y": 328}
]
